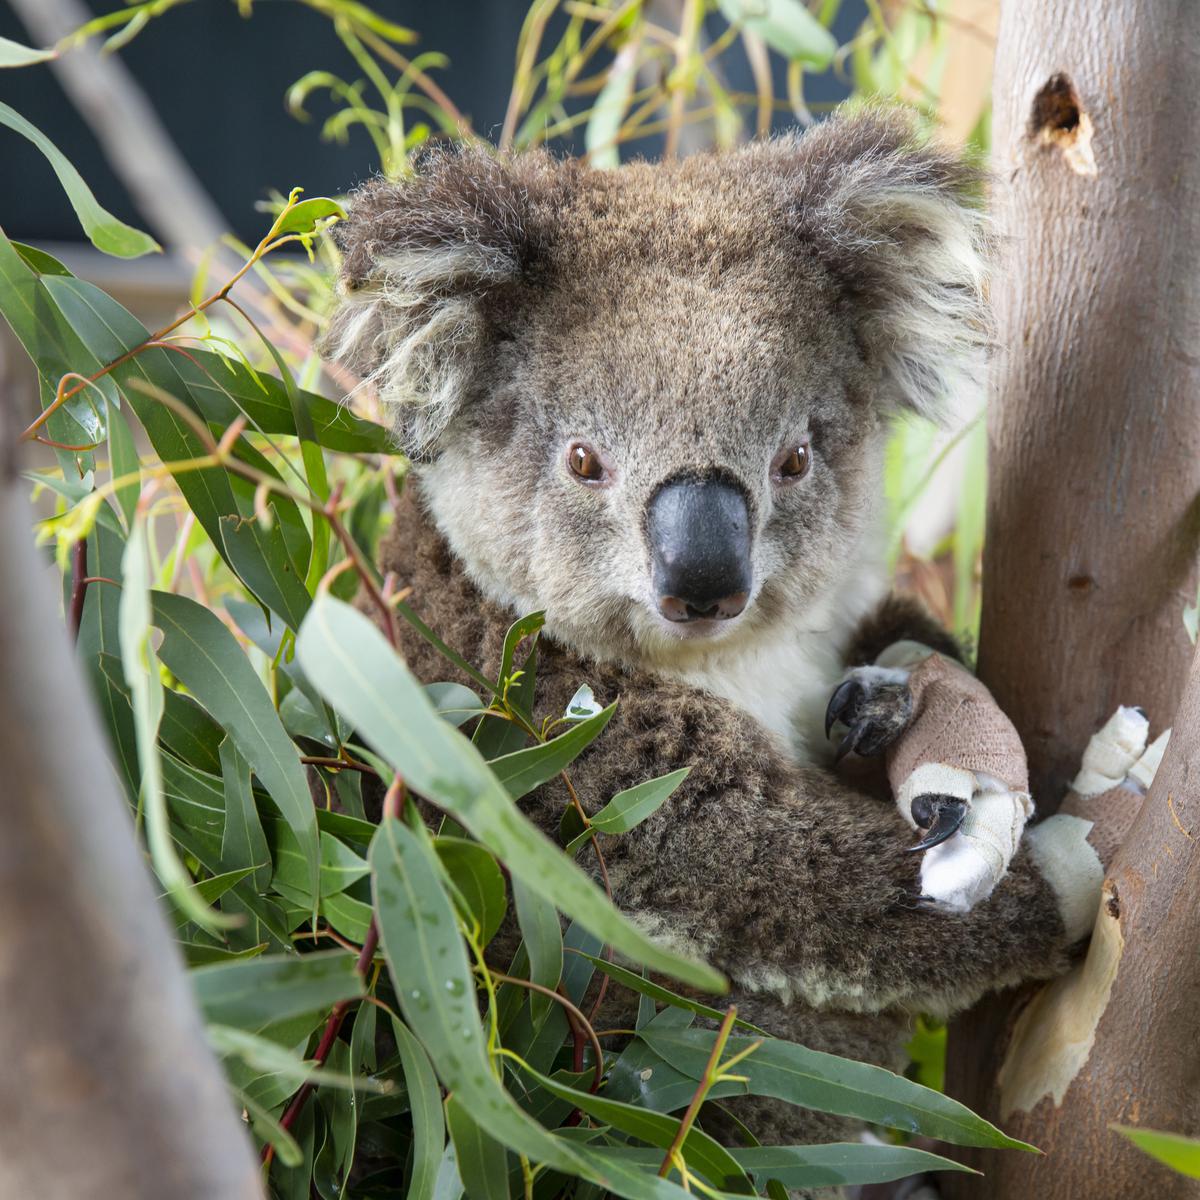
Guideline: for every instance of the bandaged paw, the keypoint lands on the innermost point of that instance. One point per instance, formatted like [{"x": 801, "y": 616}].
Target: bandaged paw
[
  {"x": 959, "y": 773},
  {"x": 1117, "y": 770},
  {"x": 1073, "y": 847},
  {"x": 963, "y": 870}
]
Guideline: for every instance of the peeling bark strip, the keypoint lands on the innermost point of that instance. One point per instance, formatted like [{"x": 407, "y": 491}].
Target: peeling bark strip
[
  {"x": 1091, "y": 555},
  {"x": 1055, "y": 1033}
]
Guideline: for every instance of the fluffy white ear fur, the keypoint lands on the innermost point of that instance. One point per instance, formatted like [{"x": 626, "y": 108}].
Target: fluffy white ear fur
[
  {"x": 934, "y": 327},
  {"x": 912, "y": 241},
  {"x": 415, "y": 332}
]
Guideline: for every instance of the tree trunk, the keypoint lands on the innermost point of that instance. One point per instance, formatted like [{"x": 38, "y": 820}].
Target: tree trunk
[
  {"x": 108, "y": 1087},
  {"x": 1092, "y": 542}
]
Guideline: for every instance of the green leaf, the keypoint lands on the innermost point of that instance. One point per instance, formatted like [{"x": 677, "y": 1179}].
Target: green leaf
[
  {"x": 340, "y": 866},
  {"x": 221, "y": 389},
  {"x": 269, "y": 1130},
  {"x": 206, "y": 658},
  {"x": 658, "y": 992},
  {"x": 39, "y": 261},
  {"x": 840, "y": 1163},
  {"x": 302, "y": 217},
  {"x": 478, "y": 880},
  {"x": 146, "y": 694},
  {"x": 524, "y": 770},
  {"x": 105, "y": 231},
  {"x": 701, "y": 1152},
  {"x": 251, "y": 994},
  {"x": 221, "y": 502},
  {"x": 13, "y": 54},
  {"x": 828, "y": 1083},
  {"x": 1181, "y": 1154},
  {"x": 243, "y": 842},
  {"x": 428, "y": 1126},
  {"x": 351, "y": 662},
  {"x": 482, "y": 1161},
  {"x": 211, "y": 890},
  {"x": 632, "y": 806},
  {"x": 350, "y": 917},
  {"x": 542, "y": 935},
  {"x": 436, "y": 988},
  {"x": 124, "y": 458},
  {"x": 786, "y": 26},
  {"x": 269, "y": 1056},
  {"x": 54, "y": 346},
  {"x": 495, "y": 736},
  {"x": 608, "y": 113},
  {"x": 454, "y": 702},
  {"x": 640, "y": 1077}
]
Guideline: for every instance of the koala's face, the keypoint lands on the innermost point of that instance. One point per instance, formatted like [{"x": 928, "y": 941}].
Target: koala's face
[{"x": 651, "y": 402}]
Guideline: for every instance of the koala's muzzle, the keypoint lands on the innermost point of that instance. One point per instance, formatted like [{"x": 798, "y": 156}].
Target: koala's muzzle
[{"x": 699, "y": 536}]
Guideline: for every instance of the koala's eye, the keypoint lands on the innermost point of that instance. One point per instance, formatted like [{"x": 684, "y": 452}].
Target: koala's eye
[
  {"x": 792, "y": 462},
  {"x": 586, "y": 464}
]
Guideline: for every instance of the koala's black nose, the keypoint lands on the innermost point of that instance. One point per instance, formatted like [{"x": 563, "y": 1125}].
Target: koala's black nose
[{"x": 699, "y": 534}]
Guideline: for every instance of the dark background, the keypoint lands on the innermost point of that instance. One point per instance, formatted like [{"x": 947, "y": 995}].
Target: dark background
[{"x": 218, "y": 81}]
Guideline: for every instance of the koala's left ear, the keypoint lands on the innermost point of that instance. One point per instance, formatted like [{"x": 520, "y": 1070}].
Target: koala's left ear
[
  {"x": 898, "y": 221},
  {"x": 427, "y": 264}
]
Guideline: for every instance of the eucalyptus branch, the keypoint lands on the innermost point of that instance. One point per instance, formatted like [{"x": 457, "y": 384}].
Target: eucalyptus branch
[
  {"x": 573, "y": 1012},
  {"x": 714, "y": 1072},
  {"x": 272, "y": 240}
]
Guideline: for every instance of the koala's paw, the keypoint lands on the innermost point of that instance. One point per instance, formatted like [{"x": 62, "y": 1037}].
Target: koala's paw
[
  {"x": 969, "y": 844},
  {"x": 875, "y": 705},
  {"x": 1118, "y": 756}
]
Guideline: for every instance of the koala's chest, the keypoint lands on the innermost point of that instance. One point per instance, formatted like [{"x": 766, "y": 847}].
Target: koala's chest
[{"x": 785, "y": 685}]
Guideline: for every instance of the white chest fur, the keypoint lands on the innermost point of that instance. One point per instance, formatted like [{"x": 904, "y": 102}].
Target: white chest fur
[{"x": 785, "y": 679}]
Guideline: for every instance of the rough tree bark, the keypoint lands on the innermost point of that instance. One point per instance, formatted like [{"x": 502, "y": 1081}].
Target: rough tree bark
[
  {"x": 108, "y": 1086},
  {"x": 1092, "y": 548}
]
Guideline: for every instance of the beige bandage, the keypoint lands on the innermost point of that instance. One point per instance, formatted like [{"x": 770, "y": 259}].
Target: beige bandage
[
  {"x": 957, "y": 724},
  {"x": 960, "y": 744}
]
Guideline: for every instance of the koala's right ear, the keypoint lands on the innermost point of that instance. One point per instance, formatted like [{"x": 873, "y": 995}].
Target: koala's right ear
[{"x": 422, "y": 258}]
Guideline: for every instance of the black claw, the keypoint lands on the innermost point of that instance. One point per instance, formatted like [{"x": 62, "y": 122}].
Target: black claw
[
  {"x": 841, "y": 700},
  {"x": 944, "y": 815},
  {"x": 848, "y": 743}
]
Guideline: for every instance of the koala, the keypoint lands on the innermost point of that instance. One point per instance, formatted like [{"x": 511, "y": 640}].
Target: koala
[{"x": 652, "y": 403}]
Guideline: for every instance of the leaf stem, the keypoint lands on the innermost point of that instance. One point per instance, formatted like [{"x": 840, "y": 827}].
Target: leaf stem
[
  {"x": 572, "y": 1011},
  {"x": 702, "y": 1089}
]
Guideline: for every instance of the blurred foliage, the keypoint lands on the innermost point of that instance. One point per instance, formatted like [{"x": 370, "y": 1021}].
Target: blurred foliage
[
  {"x": 1181, "y": 1154},
  {"x": 342, "y": 964}
]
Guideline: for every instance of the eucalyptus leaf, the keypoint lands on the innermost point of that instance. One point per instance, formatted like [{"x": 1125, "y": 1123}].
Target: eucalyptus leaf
[
  {"x": 205, "y": 656},
  {"x": 1181, "y": 1154},
  {"x": 786, "y": 26},
  {"x": 828, "y": 1083},
  {"x": 482, "y": 1161},
  {"x": 13, "y": 54},
  {"x": 255, "y": 993},
  {"x": 362, "y": 676},
  {"x": 103, "y": 229}
]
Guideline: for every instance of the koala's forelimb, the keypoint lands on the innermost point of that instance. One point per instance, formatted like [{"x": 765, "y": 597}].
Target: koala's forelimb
[
  {"x": 956, "y": 766},
  {"x": 791, "y": 880}
]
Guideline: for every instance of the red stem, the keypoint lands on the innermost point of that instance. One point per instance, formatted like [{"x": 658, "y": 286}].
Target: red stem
[
  {"x": 391, "y": 808},
  {"x": 79, "y": 582}
]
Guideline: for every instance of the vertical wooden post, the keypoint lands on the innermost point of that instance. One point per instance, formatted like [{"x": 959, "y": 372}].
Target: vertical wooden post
[
  {"x": 1092, "y": 540},
  {"x": 108, "y": 1087}
]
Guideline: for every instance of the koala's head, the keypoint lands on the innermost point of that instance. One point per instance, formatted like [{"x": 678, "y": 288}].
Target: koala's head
[{"x": 652, "y": 401}]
